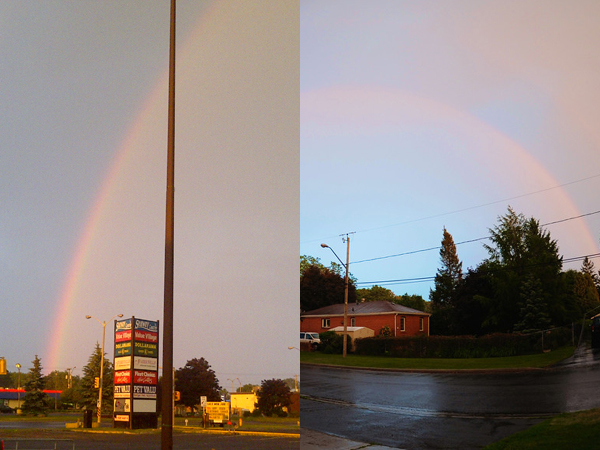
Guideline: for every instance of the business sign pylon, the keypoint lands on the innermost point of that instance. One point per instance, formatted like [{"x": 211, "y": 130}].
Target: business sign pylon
[{"x": 136, "y": 373}]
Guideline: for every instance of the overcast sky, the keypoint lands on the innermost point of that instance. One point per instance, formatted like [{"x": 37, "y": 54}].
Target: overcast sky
[
  {"x": 420, "y": 115},
  {"x": 82, "y": 184}
]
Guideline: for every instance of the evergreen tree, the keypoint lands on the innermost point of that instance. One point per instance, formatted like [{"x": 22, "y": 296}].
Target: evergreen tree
[
  {"x": 86, "y": 390},
  {"x": 521, "y": 249},
  {"x": 588, "y": 267},
  {"x": 35, "y": 400},
  {"x": 447, "y": 280},
  {"x": 534, "y": 316}
]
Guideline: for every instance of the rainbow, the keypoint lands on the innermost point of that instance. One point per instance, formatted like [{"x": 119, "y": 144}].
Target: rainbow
[
  {"x": 152, "y": 106},
  {"x": 369, "y": 110}
]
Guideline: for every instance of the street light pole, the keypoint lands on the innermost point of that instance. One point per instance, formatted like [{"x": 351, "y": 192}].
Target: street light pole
[
  {"x": 346, "y": 282},
  {"x": 101, "y": 363},
  {"x": 18, "y": 366}
]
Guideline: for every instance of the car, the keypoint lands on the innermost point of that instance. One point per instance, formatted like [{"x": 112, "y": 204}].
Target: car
[
  {"x": 4, "y": 409},
  {"x": 310, "y": 337}
]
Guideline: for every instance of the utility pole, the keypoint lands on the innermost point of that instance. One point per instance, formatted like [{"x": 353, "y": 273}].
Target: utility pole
[{"x": 345, "y": 345}]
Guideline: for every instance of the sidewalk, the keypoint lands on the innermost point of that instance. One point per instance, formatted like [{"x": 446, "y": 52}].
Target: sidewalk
[{"x": 313, "y": 440}]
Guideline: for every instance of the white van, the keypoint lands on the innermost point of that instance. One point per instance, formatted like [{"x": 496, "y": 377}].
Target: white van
[{"x": 310, "y": 337}]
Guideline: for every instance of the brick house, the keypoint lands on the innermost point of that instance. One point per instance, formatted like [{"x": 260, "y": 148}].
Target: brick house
[{"x": 401, "y": 320}]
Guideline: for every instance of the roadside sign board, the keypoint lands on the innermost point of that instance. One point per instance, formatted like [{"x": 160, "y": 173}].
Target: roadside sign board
[
  {"x": 136, "y": 373},
  {"x": 218, "y": 412}
]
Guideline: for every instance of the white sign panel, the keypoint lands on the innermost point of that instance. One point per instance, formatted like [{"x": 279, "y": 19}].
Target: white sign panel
[
  {"x": 123, "y": 391},
  {"x": 143, "y": 363},
  {"x": 123, "y": 363},
  {"x": 144, "y": 406},
  {"x": 144, "y": 391}
]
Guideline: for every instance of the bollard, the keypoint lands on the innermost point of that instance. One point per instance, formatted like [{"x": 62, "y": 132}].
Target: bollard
[{"x": 186, "y": 422}]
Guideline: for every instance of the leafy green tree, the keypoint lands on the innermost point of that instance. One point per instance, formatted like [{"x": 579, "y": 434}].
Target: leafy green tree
[
  {"x": 307, "y": 261},
  {"x": 447, "y": 280},
  {"x": 580, "y": 294},
  {"x": 321, "y": 286},
  {"x": 247, "y": 388},
  {"x": 35, "y": 400},
  {"x": 273, "y": 396},
  {"x": 413, "y": 301},
  {"x": 194, "y": 380},
  {"x": 86, "y": 390},
  {"x": 375, "y": 293}
]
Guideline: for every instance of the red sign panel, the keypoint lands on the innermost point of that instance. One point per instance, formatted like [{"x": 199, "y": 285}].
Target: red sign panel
[
  {"x": 144, "y": 377},
  {"x": 146, "y": 336},
  {"x": 123, "y": 377},
  {"x": 121, "y": 336}
]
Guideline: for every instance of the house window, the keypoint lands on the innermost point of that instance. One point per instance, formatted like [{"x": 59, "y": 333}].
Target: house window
[
  {"x": 421, "y": 324},
  {"x": 325, "y": 323},
  {"x": 352, "y": 322},
  {"x": 402, "y": 323}
]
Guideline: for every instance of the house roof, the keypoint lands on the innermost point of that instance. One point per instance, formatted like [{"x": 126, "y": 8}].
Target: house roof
[{"x": 364, "y": 308}]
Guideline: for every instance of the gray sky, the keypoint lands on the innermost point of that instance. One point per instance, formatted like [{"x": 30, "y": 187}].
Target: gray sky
[
  {"x": 82, "y": 185},
  {"x": 422, "y": 114}
]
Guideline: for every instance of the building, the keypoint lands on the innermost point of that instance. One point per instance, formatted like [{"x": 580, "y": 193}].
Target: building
[
  {"x": 401, "y": 320},
  {"x": 13, "y": 398},
  {"x": 243, "y": 401}
]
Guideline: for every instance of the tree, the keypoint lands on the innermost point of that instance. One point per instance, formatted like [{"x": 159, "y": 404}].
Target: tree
[
  {"x": 35, "y": 400},
  {"x": 321, "y": 286},
  {"x": 273, "y": 396},
  {"x": 194, "y": 380},
  {"x": 375, "y": 293},
  {"x": 447, "y": 280},
  {"x": 588, "y": 267},
  {"x": 86, "y": 390},
  {"x": 534, "y": 316},
  {"x": 521, "y": 250}
]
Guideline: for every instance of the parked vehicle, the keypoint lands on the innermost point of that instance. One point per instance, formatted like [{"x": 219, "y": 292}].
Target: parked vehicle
[{"x": 310, "y": 337}]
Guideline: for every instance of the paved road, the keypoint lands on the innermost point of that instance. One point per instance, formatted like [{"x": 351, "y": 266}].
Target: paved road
[
  {"x": 446, "y": 411},
  {"x": 100, "y": 441}
]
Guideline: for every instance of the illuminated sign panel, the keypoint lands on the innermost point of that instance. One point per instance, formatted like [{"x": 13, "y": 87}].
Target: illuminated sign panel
[{"x": 136, "y": 373}]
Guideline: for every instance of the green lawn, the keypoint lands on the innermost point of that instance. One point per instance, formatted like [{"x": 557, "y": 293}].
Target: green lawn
[
  {"x": 570, "y": 431},
  {"x": 540, "y": 360}
]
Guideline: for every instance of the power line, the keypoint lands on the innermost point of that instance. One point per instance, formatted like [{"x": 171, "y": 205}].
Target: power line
[
  {"x": 470, "y": 208},
  {"x": 467, "y": 241},
  {"x": 427, "y": 279}
]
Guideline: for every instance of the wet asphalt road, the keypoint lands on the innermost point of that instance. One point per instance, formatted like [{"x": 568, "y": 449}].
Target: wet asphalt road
[
  {"x": 99, "y": 441},
  {"x": 443, "y": 411}
]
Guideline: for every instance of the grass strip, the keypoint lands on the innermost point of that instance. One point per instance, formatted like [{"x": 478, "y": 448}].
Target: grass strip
[
  {"x": 540, "y": 360},
  {"x": 568, "y": 431}
]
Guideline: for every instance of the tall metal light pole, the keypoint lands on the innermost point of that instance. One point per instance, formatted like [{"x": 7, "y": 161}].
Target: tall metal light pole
[
  {"x": 102, "y": 363},
  {"x": 18, "y": 366},
  {"x": 166, "y": 432},
  {"x": 347, "y": 240}
]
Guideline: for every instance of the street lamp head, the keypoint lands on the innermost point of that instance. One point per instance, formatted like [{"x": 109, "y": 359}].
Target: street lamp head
[
  {"x": 120, "y": 315},
  {"x": 88, "y": 317},
  {"x": 18, "y": 366},
  {"x": 324, "y": 245}
]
